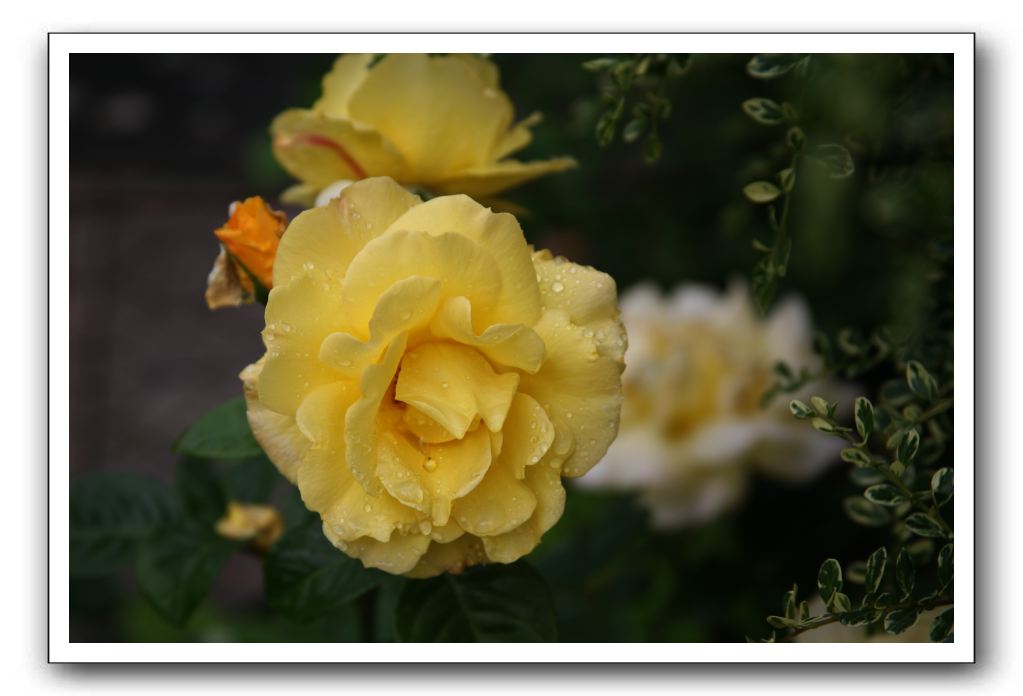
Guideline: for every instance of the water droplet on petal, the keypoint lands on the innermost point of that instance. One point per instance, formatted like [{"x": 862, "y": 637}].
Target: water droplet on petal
[{"x": 557, "y": 286}]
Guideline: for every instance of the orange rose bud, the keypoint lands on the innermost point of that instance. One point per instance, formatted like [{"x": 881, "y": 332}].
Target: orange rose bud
[{"x": 251, "y": 236}]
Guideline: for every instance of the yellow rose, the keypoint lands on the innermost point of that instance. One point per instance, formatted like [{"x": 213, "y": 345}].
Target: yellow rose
[
  {"x": 693, "y": 428},
  {"x": 440, "y": 122},
  {"x": 428, "y": 380}
]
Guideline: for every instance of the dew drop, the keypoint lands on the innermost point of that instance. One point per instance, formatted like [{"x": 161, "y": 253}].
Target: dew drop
[
  {"x": 430, "y": 464},
  {"x": 367, "y": 508},
  {"x": 557, "y": 286},
  {"x": 444, "y": 385},
  {"x": 308, "y": 265}
]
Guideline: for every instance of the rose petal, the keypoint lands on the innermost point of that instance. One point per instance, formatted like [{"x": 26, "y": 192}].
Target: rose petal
[
  {"x": 436, "y": 110},
  {"x": 462, "y": 266},
  {"x": 487, "y": 179},
  {"x": 452, "y": 384},
  {"x": 318, "y": 149},
  {"x": 514, "y": 345},
  {"x": 578, "y": 387},
  {"x": 328, "y": 238},
  {"x": 545, "y": 482},
  {"x": 278, "y": 435},
  {"x": 500, "y": 235}
]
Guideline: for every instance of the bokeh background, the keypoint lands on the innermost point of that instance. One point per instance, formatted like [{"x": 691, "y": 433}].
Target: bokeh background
[{"x": 161, "y": 144}]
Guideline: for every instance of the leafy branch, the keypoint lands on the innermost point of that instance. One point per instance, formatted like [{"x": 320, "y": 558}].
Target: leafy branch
[
  {"x": 641, "y": 79},
  {"x": 903, "y": 489},
  {"x": 777, "y": 195}
]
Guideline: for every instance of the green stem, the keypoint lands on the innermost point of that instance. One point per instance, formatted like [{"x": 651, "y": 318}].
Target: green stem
[{"x": 826, "y": 619}]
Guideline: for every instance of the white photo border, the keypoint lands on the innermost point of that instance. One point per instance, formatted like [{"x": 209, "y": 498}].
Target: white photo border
[{"x": 62, "y": 45}]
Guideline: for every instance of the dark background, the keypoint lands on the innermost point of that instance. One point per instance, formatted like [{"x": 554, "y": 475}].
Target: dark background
[{"x": 161, "y": 144}]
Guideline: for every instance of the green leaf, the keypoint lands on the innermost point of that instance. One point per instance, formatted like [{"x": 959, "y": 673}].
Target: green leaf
[
  {"x": 876, "y": 563},
  {"x": 491, "y": 603},
  {"x": 306, "y": 577},
  {"x": 924, "y": 525},
  {"x": 800, "y": 410},
  {"x": 782, "y": 622},
  {"x": 920, "y": 381},
  {"x": 905, "y": 573},
  {"x": 865, "y": 512},
  {"x": 900, "y": 620},
  {"x": 177, "y": 567},
  {"x": 864, "y": 476},
  {"x": 761, "y": 191},
  {"x": 942, "y": 626},
  {"x": 767, "y": 66},
  {"x": 110, "y": 514},
  {"x": 251, "y": 480},
  {"x": 765, "y": 111},
  {"x": 829, "y": 579},
  {"x": 909, "y": 446},
  {"x": 840, "y": 603},
  {"x": 821, "y": 405},
  {"x": 861, "y": 617},
  {"x": 599, "y": 64},
  {"x": 856, "y": 572},
  {"x": 945, "y": 565},
  {"x": 921, "y": 551},
  {"x": 633, "y": 129},
  {"x": 864, "y": 413},
  {"x": 855, "y": 456},
  {"x": 200, "y": 489},
  {"x": 941, "y": 486},
  {"x": 795, "y": 138},
  {"x": 884, "y": 494},
  {"x": 790, "y": 602},
  {"x": 223, "y": 433},
  {"x": 787, "y": 179},
  {"x": 835, "y": 159}
]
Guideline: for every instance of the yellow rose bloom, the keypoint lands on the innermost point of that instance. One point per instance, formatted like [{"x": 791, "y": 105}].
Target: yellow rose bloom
[
  {"x": 693, "y": 428},
  {"x": 428, "y": 380},
  {"x": 439, "y": 122}
]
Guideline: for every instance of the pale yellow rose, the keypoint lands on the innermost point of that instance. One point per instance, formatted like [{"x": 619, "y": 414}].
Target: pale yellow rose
[
  {"x": 438, "y": 122},
  {"x": 693, "y": 429},
  {"x": 260, "y": 525},
  {"x": 428, "y": 379}
]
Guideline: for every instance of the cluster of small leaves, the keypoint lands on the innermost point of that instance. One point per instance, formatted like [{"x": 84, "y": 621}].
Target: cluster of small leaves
[
  {"x": 903, "y": 488},
  {"x": 636, "y": 95},
  {"x": 166, "y": 534},
  {"x": 891, "y": 598},
  {"x": 830, "y": 158}
]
